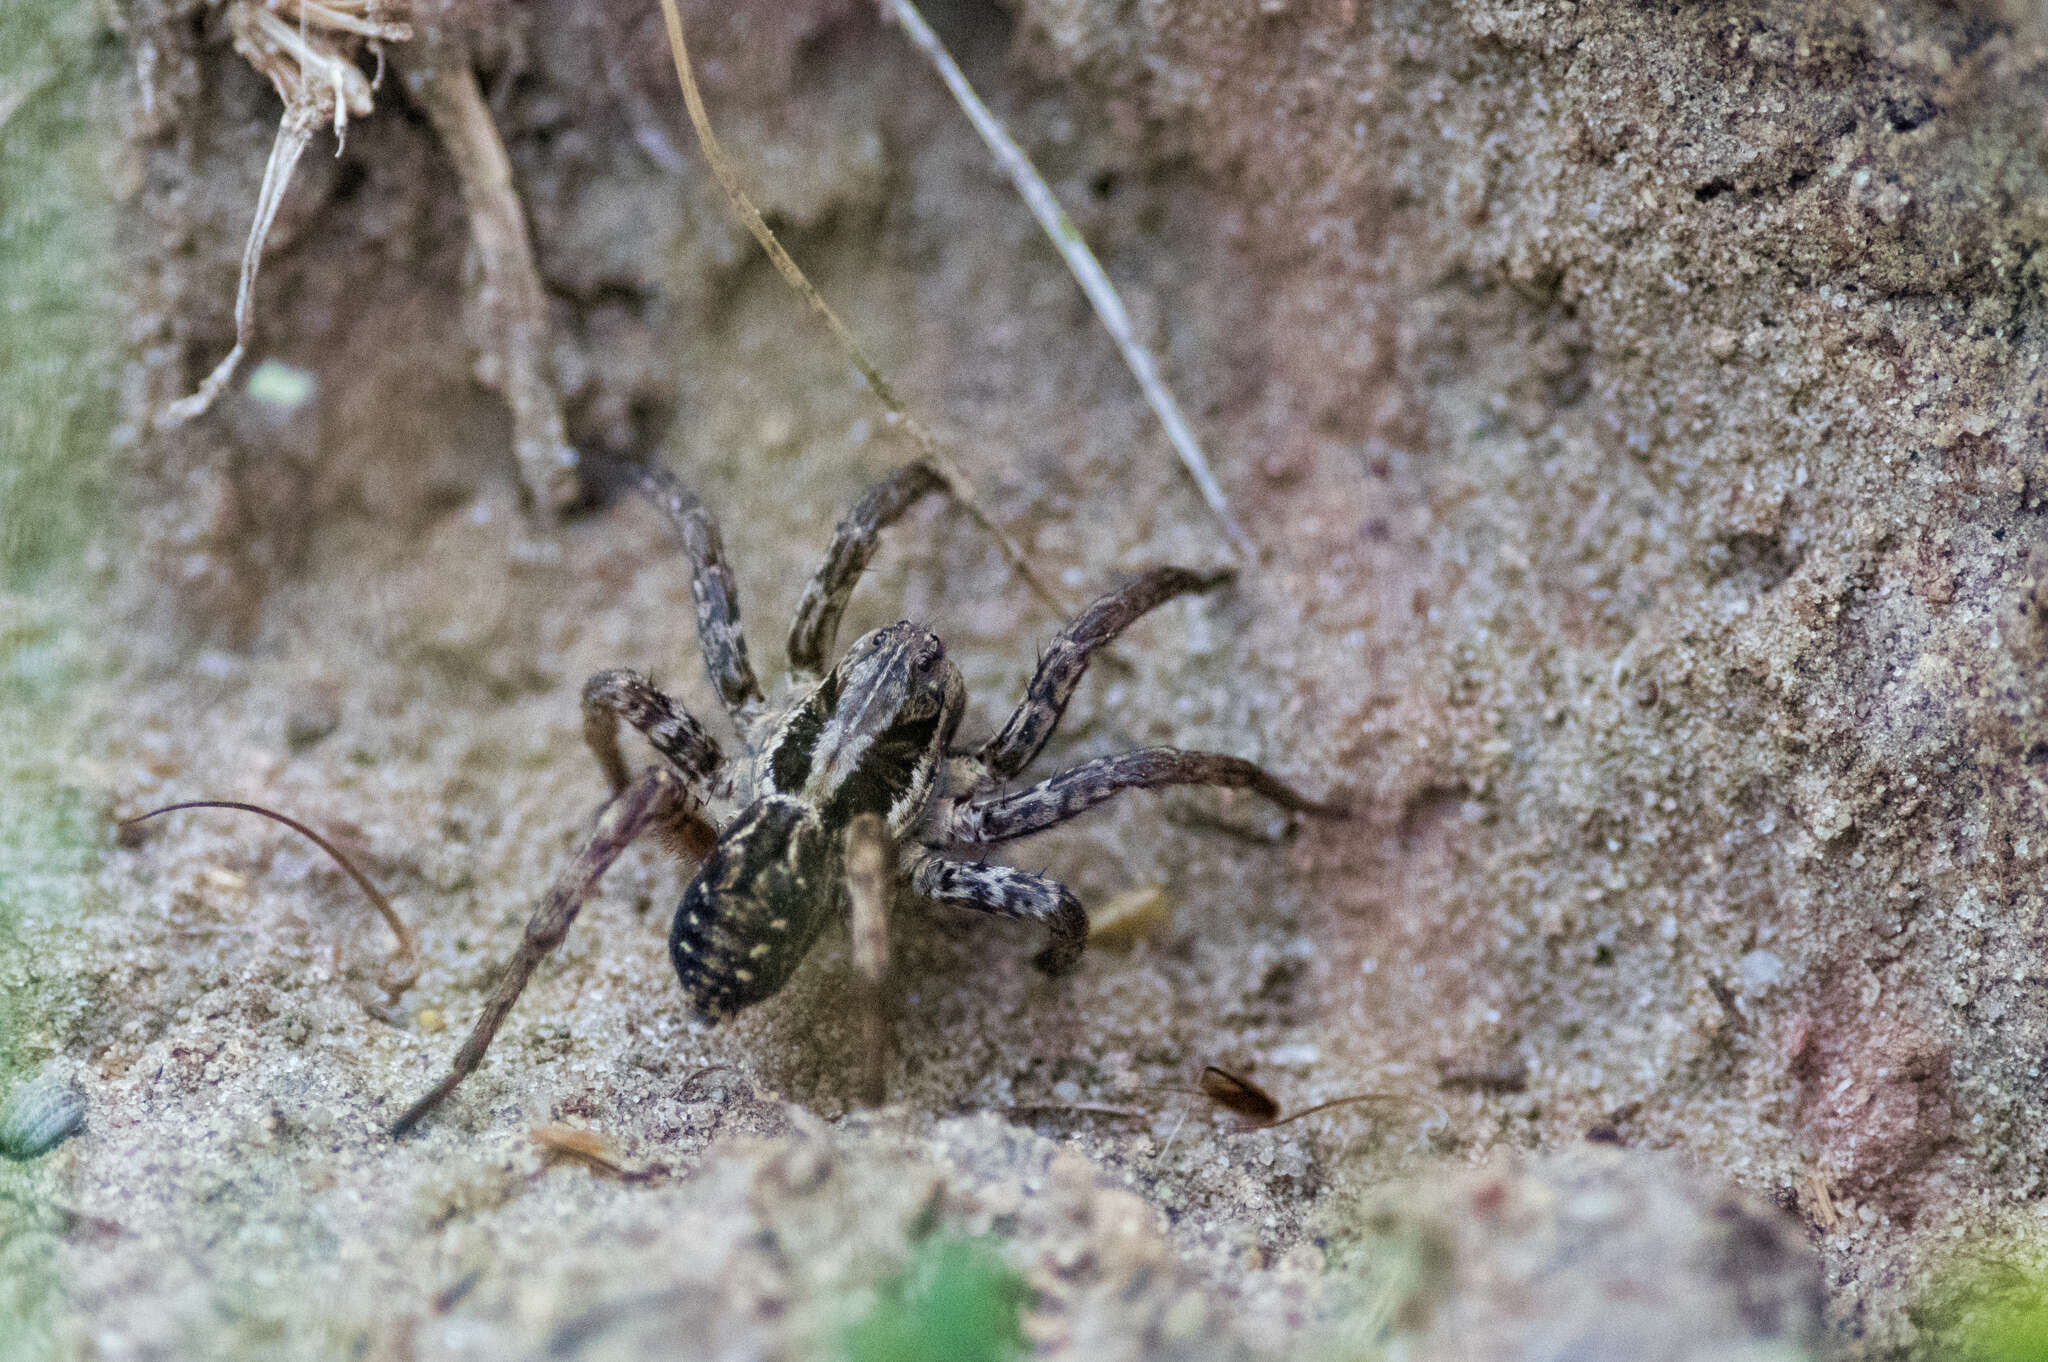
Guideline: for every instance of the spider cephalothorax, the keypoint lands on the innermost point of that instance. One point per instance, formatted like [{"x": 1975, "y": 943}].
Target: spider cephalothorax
[
  {"x": 851, "y": 787},
  {"x": 869, "y": 738}
]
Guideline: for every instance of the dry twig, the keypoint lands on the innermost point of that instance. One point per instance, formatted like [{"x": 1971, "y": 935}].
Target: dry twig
[
  {"x": 957, "y": 482},
  {"x": 1081, "y": 261}
]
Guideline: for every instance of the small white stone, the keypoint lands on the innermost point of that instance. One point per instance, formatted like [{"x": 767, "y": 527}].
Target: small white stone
[{"x": 1760, "y": 969}]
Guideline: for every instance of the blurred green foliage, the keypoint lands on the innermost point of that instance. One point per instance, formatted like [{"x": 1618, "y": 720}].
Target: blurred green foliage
[
  {"x": 59, "y": 341},
  {"x": 1989, "y": 1305},
  {"x": 60, "y": 352},
  {"x": 59, "y": 348},
  {"x": 957, "y": 1301}
]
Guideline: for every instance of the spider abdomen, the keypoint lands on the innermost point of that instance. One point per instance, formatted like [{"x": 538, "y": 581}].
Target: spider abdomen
[{"x": 753, "y": 909}]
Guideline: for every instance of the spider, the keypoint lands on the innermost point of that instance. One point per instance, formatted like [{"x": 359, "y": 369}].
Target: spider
[{"x": 848, "y": 764}]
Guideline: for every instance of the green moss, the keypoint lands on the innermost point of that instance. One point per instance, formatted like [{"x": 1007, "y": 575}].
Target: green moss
[{"x": 956, "y": 1302}]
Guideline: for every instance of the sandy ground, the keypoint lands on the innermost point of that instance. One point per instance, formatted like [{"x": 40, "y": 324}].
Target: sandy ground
[{"x": 1639, "y": 422}]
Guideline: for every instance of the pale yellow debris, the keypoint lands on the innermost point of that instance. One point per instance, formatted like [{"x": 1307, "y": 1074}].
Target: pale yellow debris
[{"x": 1130, "y": 917}]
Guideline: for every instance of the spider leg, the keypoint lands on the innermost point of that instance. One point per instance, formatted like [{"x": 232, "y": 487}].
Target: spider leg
[
  {"x": 674, "y": 733},
  {"x": 1009, "y": 892},
  {"x": 650, "y": 798},
  {"x": 871, "y": 885},
  {"x": 853, "y": 543},
  {"x": 711, "y": 585},
  {"x": 1060, "y": 670},
  {"x": 670, "y": 729},
  {"x": 998, "y": 818}
]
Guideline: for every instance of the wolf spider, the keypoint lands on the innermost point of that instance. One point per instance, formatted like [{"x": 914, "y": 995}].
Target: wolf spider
[{"x": 844, "y": 767}]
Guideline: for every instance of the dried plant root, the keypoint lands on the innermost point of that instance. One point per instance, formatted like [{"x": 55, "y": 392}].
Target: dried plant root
[
  {"x": 511, "y": 305},
  {"x": 957, "y": 482},
  {"x": 1081, "y": 261},
  {"x": 293, "y": 133},
  {"x": 307, "y": 49}
]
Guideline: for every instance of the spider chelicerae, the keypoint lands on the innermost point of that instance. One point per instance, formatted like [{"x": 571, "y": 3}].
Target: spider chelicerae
[{"x": 850, "y": 787}]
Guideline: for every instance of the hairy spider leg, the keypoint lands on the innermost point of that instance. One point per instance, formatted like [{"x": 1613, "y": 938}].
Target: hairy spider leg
[
  {"x": 712, "y": 588},
  {"x": 853, "y": 544},
  {"x": 670, "y": 729},
  {"x": 1060, "y": 670},
  {"x": 870, "y": 889},
  {"x": 674, "y": 733},
  {"x": 1008, "y": 892},
  {"x": 1000, "y": 818},
  {"x": 649, "y": 799}
]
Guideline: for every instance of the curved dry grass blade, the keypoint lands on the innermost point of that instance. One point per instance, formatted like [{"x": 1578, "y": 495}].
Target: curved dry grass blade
[
  {"x": 928, "y": 448},
  {"x": 1081, "y": 261},
  {"x": 404, "y": 965},
  {"x": 1353, "y": 1100}
]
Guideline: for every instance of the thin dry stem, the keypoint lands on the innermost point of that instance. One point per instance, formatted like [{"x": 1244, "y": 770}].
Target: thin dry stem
[
  {"x": 1081, "y": 261},
  {"x": 404, "y": 965},
  {"x": 957, "y": 482}
]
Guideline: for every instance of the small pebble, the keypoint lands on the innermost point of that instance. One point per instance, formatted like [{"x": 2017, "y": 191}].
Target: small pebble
[
  {"x": 281, "y": 387},
  {"x": 311, "y": 717},
  {"x": 39, "y": 1115},
  {"x": 1760, "y": 970}
]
